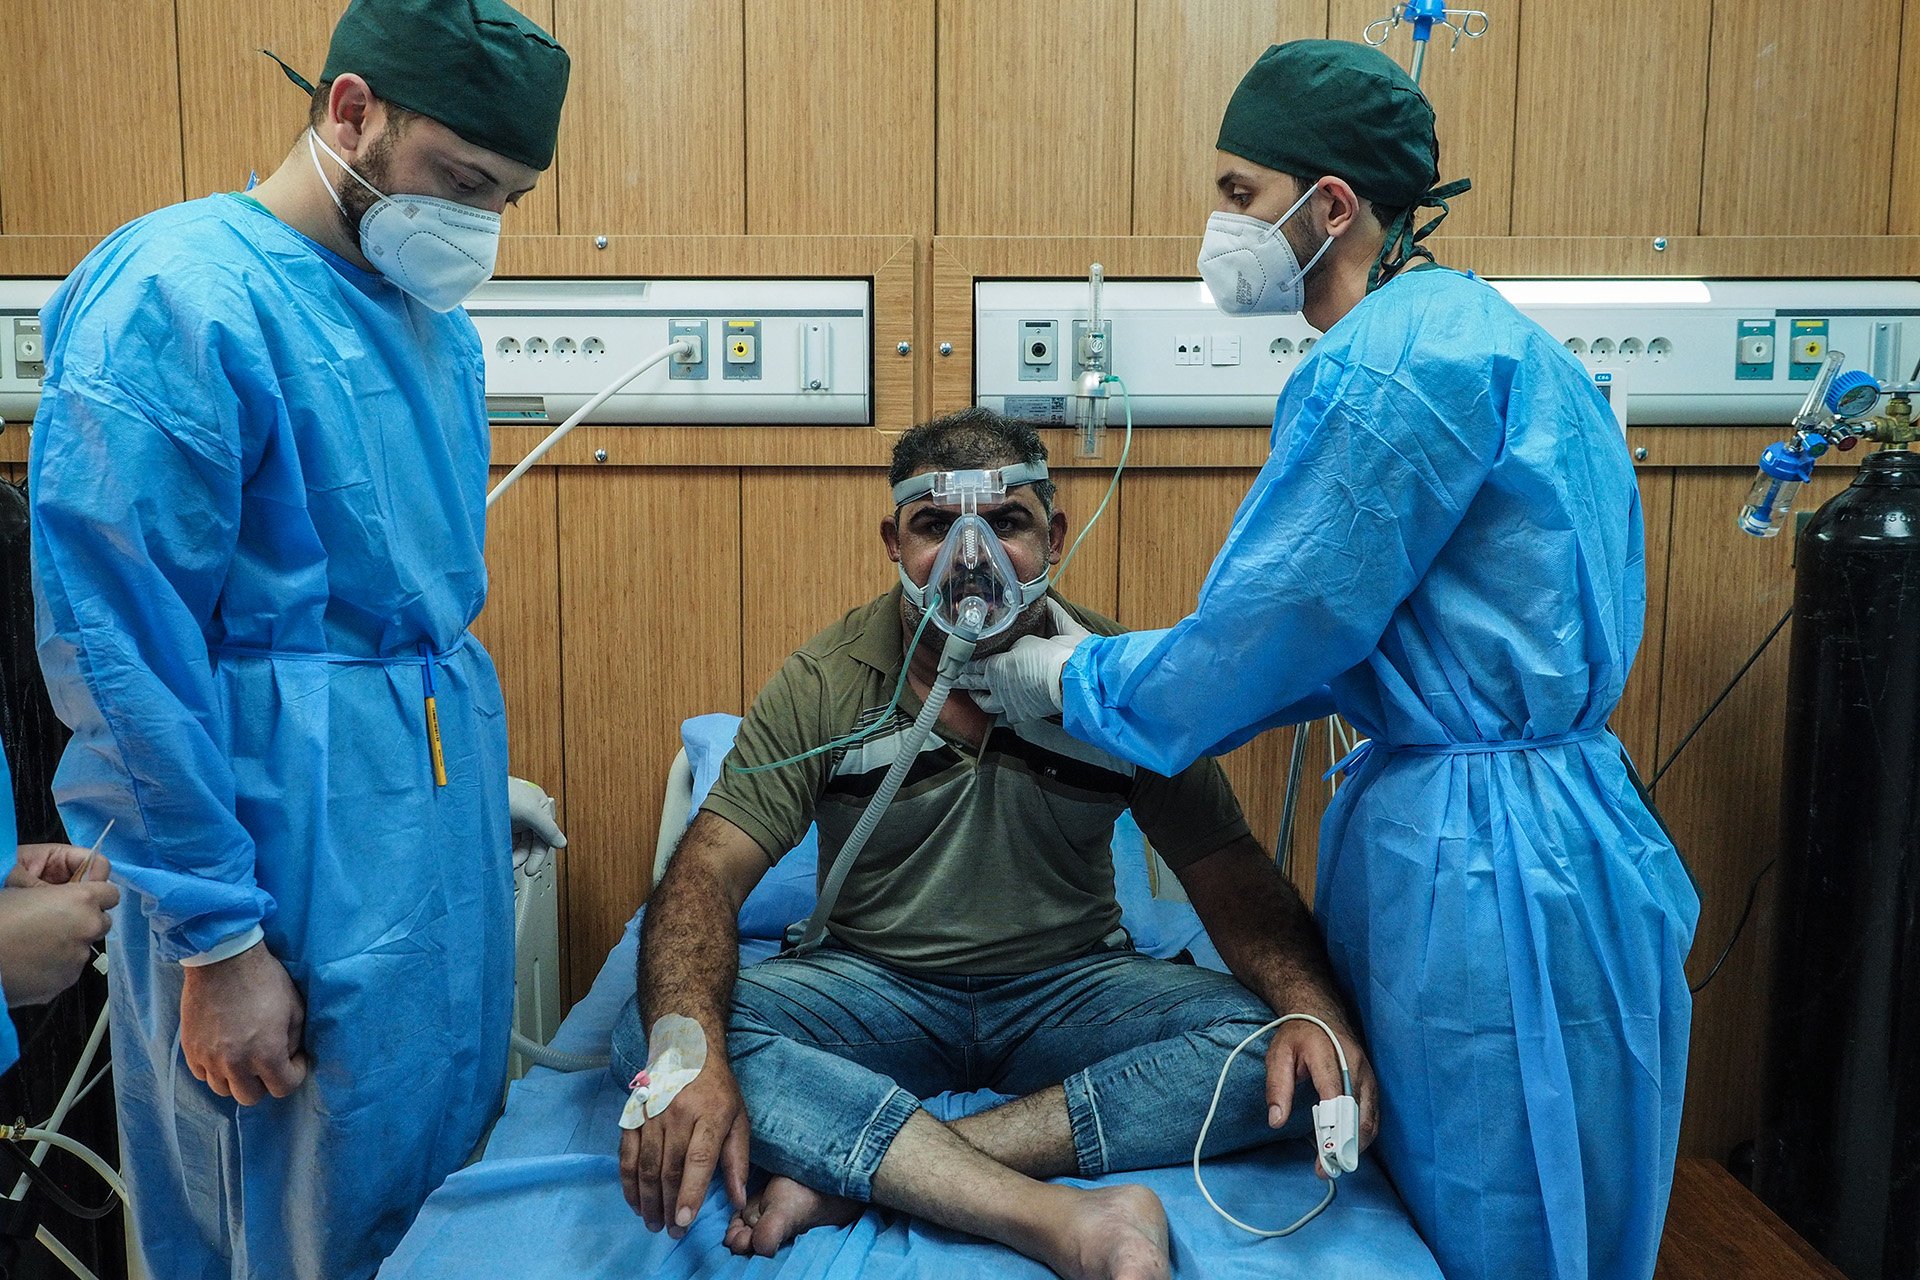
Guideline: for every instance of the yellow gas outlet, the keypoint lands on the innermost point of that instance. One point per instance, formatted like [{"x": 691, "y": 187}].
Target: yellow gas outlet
[{"x": 743, "y": 350}]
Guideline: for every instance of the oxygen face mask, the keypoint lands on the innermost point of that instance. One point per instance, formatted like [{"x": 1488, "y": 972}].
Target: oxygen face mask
[{"x": 974, "y": 591}]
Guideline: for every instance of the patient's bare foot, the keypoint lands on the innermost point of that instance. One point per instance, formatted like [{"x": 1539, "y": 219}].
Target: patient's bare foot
[
  {"x": 1112, "y": 1233},
  {"x": 785, "y": 1209}
]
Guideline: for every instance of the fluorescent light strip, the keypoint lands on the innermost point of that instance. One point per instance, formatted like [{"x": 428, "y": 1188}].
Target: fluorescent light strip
[{"x": 1592, "y": 293}]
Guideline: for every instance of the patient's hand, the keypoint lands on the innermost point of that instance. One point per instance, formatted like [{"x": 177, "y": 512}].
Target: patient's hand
[
  {"x": 666, "y": 1164},
  {"x": 1301, "y": 1051}
]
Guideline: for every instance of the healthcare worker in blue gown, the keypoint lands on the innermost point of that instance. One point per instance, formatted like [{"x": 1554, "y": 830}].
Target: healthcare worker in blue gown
[
  {"x": 53, "y": 909},
  {"x": 1445, "y": 545},
  {"x": 258, "y": 485}
]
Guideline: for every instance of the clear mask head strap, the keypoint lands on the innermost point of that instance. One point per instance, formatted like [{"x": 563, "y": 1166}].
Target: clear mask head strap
[{"x": 966, "y": 490}]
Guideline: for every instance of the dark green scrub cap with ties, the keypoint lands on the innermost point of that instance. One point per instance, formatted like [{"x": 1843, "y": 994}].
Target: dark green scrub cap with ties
[
  {"x": 1318, "y": 108},
  {"x": 477, "y": 66}
]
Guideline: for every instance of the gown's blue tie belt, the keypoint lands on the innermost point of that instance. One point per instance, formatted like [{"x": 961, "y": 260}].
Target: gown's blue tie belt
[
  {"x": 1352, "y": 761},
  {"x": 418, "y": 658},
  {"x": 426, "y": 658}
]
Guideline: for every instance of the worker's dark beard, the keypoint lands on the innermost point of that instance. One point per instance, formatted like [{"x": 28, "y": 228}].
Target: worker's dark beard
[{"x": 355, "y": 199}]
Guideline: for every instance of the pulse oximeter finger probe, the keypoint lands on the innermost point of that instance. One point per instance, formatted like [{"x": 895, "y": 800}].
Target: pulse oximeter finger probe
[{"x": 1336, "y": 1128}]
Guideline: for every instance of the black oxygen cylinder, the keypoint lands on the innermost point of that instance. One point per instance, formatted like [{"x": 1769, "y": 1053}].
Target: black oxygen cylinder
[{"x": 1838, "y": 1155}]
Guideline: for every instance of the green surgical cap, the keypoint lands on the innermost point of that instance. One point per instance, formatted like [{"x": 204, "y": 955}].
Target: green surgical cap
[
  {"x": 1317, "y": 108},
  {"x": 477, "y": 66}
]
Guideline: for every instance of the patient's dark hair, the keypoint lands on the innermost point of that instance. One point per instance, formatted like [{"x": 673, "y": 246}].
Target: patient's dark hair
[{"x": 972, "y": 438}]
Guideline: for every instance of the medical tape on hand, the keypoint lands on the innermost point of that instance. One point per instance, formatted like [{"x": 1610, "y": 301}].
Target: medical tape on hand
[{"x": 676, "y": 1052}]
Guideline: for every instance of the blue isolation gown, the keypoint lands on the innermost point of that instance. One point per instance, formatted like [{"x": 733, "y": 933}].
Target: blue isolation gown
[
  {"x": 1447, "y": 533},
  {"x": 9, "y": 847},
  {"x": 258, "y": 483}
]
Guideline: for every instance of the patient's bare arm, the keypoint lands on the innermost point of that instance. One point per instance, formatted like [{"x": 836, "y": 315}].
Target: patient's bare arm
[
  {"x": 690, "y": 944},
  {"x": 1270, "y": 940},
  {"x": 1264, "y": 931},
  {"x": 689, "y": 957}
]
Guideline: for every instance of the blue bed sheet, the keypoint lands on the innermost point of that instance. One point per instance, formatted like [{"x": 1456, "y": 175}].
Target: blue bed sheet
[{"x": 545, "y": 1203}]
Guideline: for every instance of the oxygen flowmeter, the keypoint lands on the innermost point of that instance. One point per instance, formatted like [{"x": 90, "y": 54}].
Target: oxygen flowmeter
[{"x": 1837, "y": 414}]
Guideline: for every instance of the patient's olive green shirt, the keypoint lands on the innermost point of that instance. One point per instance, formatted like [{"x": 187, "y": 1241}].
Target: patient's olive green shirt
[{"x": 998, "y": 862}]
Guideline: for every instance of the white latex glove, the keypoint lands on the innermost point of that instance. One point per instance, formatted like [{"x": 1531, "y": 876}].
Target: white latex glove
[
  {"x": 973, "y": 676},
  {"x": 531, "y": 812},
  {"x": 1064, "y": 625},
  {"x": 1024, "y": 682}
]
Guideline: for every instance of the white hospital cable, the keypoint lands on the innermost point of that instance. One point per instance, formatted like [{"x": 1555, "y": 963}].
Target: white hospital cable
[
  {"x": 47, "y": 1137},
  {"x": 70, "y": 1096},
  {"x": 62, "y": 1254},
  {"x": 98, "y": 1076},
  {"x": 1342, "y": 741},
  {"x": 555, "y": 1059},
  {"x": 1332, "y": 1170},
  {"x": 1290, "y": 805},
  {"x": 682, "y": 346},
  {"x": 532, "y": 1050},
  {"x": 1126, "y": 447}
]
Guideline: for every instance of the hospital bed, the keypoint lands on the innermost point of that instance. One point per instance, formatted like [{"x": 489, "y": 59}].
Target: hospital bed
[{"x": 544, "y": 1201}]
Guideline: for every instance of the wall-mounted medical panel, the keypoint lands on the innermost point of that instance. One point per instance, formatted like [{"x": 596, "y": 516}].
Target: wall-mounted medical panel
[
  {"x": 769, "y": 351},
  {"x": 23, "y": 349},
  {"x": 1183, "y": 363},
  {"x": 1681, "y": 352}
]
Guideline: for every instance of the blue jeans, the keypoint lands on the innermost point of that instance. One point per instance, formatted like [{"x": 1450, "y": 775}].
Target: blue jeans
[{"x": 834, "y": 1051}]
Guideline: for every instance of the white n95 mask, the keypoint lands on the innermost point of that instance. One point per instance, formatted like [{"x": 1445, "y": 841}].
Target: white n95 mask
[
  {"x": 1249, "y": 267},
  {"x": 974, "y": 590},
  {"x": 437, "y": 251}
]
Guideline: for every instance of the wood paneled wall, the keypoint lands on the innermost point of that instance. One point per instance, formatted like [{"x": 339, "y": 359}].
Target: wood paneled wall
[
  {"x": 987, "y": 117},
  {"x": 1724, "y": 592},
  {"x": 840, "y": 109},
  {"x": 655, "y": 136},
  {"x": 1760, "y": 137},
  {"x": 1622, "y": 155},
  {"x": 98, "y": 140},
  {"x": 1784, "y": 160},
  {"x": 1199, "y": 51},
  {"x": 1904, "y": 216}
]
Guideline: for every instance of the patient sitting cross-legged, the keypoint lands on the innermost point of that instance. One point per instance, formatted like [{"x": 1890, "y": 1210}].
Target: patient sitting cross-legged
[{"x": 976, "y": 944}]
